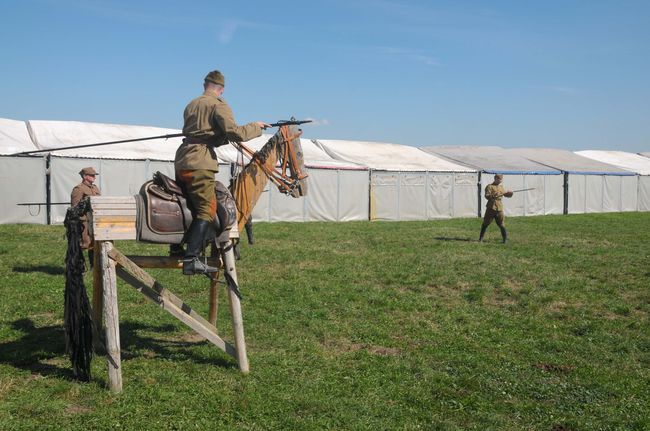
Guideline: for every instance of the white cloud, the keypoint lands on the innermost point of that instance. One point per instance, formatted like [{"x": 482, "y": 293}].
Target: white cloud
[{"x": 227, "y": 31}]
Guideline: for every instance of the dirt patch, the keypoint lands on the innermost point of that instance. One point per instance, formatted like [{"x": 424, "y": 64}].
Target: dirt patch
[
  {"x": 383, "y": 351},
  {"x": 555, "y": 368},
  {"x": 6, "y": 386},
  {"x": 191, "y": 337},
  {"x": 76, "y": 410}
]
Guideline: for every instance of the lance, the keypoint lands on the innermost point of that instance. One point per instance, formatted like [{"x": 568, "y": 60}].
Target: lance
[
  {"x": 25, "y": 153},
  {"x": 173, "y": 135},
  {"x": 289, "y": 123},
  {"x": 523, "y": 190},
  {"x": 42, "y": 203}
]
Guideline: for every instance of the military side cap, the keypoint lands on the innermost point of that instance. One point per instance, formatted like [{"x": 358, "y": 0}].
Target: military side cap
[
  {"x": 88, "y": 171},
  {"x": 500, "y": 176},
  {"x": 215, "y": 77}
]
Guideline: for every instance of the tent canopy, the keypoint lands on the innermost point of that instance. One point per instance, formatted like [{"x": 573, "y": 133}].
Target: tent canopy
[
  {"x": 567, "y": 161},
  {"x": 491, "y": 159},
  {"x": 313, "y": 155},
  {"x": 628, "y": 161},
  {"x": 54, "y": 134},
  {"x": 389, "y": 157},
  {"x": 14, "y": 137}
]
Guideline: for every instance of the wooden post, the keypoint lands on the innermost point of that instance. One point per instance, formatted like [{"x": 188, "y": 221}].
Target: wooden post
[
  {"x": 111, "y": 317},
  {"x": 98, "y": 296},
  {"x": 228, "y": 255},
  {"x": 213, "y": 299}
]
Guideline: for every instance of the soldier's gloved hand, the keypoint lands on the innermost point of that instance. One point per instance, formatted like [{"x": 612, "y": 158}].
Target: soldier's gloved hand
[{"x": 508, "y": 194}]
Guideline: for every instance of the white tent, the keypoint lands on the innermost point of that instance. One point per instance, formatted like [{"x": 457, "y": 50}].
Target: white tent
[
  {"x": 408, "y": 184},
  {"x": 22, "y": 179},
  {"x": 337, "y": 190},
  {"x": 631, "y": 162},
  {"x": 590, "y": 186},
  {"x": 122, "y": 168},
  {"x": 546, "y": 196}
]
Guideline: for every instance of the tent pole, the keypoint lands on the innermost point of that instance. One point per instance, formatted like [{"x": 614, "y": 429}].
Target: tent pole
[{"x": 48, "y": 194}]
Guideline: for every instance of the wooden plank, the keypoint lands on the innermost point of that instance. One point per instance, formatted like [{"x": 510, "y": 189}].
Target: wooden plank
[
  {"x": 99, "y": 200},
  {"x": 111, "y": 317},
  {"x": 115, "y": 207},
  {"x": 110, "y": 212},
  {"x": 148, "y": 286},
  {"x": 109, "y": 234},
  {"x": 119, "y": 226},
  {"x": 167, "y": 262},
  {"x": 99, "y": 219}
]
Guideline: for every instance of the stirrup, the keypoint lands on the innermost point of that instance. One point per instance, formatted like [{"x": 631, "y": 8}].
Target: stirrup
[{"x": 193, "y": 265}]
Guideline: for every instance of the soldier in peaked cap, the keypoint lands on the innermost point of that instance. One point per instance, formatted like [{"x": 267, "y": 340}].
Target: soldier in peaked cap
[
  {"x": 208, "y": 123},
  {"x": 494, "y": 208},
  {"x": 81, "y": 191}
]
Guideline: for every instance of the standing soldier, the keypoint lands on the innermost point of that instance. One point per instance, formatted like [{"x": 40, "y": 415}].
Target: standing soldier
[
  {"x": 208, "y": 123},
  {"x": 494, "y": 208},
  {"x": 80, "y": 192}
]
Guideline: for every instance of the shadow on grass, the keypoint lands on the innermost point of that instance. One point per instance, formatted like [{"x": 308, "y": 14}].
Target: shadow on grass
[
  {"x": 47, "y": 269},
  {"x": 166, "y": 344},
  {"x": 445, "y": 238},
  {"x": 37, "y": 351},
  {"x": 42, "y": 350}
]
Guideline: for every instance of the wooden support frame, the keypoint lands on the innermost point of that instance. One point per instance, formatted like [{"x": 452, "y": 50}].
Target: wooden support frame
[{"x": 110, "y": 220}]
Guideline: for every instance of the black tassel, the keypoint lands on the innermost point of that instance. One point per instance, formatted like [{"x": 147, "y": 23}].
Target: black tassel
[{"x": 77, "y": 312}]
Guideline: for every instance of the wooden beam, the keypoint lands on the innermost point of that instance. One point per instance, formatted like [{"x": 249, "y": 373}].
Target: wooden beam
[
  {"x": 213, "y": 300},
  {"x": 167, "y": 262},
  {"x": 228, "y": 256},
  {"x": 111, "y": 317}
]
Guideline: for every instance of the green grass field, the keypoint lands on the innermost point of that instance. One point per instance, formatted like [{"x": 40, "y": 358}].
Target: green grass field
[{"x": 409, "y": 325}]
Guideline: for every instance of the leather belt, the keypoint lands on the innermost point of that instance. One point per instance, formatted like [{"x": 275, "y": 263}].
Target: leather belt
[{"x": 191, "y": 140}]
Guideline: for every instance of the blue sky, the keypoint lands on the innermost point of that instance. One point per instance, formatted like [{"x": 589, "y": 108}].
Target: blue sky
[{"x": 562, "y": 74}]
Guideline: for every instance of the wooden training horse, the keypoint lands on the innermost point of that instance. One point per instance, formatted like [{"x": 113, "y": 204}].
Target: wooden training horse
[{"x": 115, "y": 218}]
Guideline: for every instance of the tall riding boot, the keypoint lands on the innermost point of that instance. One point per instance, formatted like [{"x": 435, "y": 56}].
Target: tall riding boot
[
  {"x": 483, "y": 229},
  {"x": 196, "y": 236},
  {"x": 504, "y": 234},
  {"x": 91, "y": 258}
]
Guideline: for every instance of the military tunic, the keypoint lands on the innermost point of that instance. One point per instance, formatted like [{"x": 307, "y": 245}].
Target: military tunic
[
  {"x": 494, "y": 194},
  {"x": 79, "y": 193},
  {"x": 208, "y": 123},
  {"x": 494, "y": 208}
]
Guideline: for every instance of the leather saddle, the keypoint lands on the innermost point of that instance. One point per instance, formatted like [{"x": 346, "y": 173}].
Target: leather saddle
[{"x": 163, "y": 215}]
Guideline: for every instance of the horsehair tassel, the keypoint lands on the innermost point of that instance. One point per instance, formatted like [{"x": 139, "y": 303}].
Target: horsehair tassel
[{"x": 77, "y": 312}]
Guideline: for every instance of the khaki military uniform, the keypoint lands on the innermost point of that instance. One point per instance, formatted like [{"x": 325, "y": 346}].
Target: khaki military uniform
[
  {"x": 208, "y": 123},
  {"x": 79, "y": 193},
  {"x": 494, "y": 207}
]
